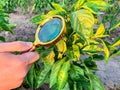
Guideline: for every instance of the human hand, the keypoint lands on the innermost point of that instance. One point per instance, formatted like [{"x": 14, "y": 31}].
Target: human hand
[{"x": 13, "y": 68}]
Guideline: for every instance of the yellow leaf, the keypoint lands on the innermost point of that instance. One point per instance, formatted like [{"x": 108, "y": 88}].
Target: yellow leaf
[
  {"x": 92, "y": 41},
  {"x": 80, "y": 45},
  {"x": 95, "y": 6},
  {"x": 92, "y": 48},
  {"x": 78, "y": 4},
  {"x": 100, "y": 3},
  {"x": 58, "y": 7},
  {"x": 76, "y": 51},
  {"x": 85, "y": 7},
  {"x": 100, "y": 30},
  {"x": 61, "y": 47},
  {"x": 100, "y": 36},
  {"x": 48, "y": 56},
  {"x": 116, "y": 44},
  {"x": 52, "y": 12},
  {"x": 82, "y": 22},
  {"x": 60, "y": 55},
  {"x": 96, "y": 20},
  {"x": 67, "y": 18},
  {"x": 75, "y": 37},
  {"x": 106, "y": 51}
]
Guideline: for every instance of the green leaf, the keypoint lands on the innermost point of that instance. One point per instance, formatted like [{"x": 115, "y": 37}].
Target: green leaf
[
  {"x": 70, "y": 54},
  {"x": 116, "y": 42},
  {"x": 48, "y": 59},
  {"x": 85, "y": 85},
  {"x": 78, "y": 4},
  {"x": 97, "y": 57},
  {"x": 41, "y": 76},
  {"x": 63, "y": 75},
  {"x": 90, "y": 64},
  {"x": 66, "y": 87},
  {"x": 54, "y": 72},
  {"x": 40, "y": 18},
  {"x": 82, "y": 22},
  {"x": 2, "y": 38},
  {"x": 115, "y": 25},
  {"x": 5, "y": 27},
  {"x": 95, "y": 6},
  {"x": 4, "y": 15},
  {"x": 30, "y": 77},
  {"x": 52, "y": 12},
  {"x": 76, "y": 73},
  {"x": 115, "y": 53},
  {"x": 97, "y": 84},
  {"x": 4, "y": 23}
]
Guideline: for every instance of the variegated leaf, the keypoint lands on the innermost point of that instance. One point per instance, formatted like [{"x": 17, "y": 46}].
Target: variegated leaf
[{"x": 82, "y": 22}]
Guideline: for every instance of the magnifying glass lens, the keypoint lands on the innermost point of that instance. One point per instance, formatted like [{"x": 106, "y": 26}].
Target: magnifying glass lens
[{"x": 50, "y": 30}]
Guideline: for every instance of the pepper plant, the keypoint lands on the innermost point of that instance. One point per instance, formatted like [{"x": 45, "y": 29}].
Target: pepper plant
[
  {"x": 4, "y": 20},
  {"x": 31, "y": 6},
  {"x": 70, "y": 63},
  {"x": 111, "y": 15}
]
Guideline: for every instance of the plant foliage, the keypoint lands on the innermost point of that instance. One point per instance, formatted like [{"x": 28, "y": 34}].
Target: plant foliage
[
  {"x": 61, "y": 65},
  {"x": 4, "y": 20},
  {"x": 32, "y": 6},
  {"x": 111, "y": 15}
]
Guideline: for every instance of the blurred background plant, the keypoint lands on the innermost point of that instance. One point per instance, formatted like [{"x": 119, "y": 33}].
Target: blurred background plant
[
  {"x": 32, "y": 6},
  {"x": 4, "y": 21},
  {"x": 111, "y": 16}
]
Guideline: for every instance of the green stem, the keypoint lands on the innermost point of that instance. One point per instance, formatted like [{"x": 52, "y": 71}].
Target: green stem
[
  {"x": 63, "y": 2},
  {"x": 88, "y": 72},
  {"x": 75, "y": 86}
]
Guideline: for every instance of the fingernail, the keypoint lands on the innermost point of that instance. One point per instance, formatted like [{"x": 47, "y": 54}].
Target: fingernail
[{"x": 30, "y": 44}]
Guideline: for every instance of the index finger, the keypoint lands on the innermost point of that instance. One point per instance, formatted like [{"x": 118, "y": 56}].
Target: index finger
[{"x": 15, "y": 46}]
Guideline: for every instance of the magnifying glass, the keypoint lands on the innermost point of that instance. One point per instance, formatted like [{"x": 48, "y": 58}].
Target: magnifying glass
[{"x": 49, "y": 31}]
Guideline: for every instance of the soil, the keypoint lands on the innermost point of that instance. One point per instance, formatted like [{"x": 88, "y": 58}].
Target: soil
[{"x": 25, "y": 30}]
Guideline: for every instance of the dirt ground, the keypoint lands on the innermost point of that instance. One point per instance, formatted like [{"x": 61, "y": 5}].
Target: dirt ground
[{"x": 25, "y": 30}]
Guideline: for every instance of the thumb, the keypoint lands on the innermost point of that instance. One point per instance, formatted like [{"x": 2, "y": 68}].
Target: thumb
[{"x": 29, "y": 57}]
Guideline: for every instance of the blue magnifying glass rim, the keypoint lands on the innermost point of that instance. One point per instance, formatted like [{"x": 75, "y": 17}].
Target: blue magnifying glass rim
[{"x": 57, "y": 36}]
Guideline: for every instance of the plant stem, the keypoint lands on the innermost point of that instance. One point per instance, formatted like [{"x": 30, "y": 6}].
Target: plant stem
[
  {"x": 75, "y": 86},
  {"x": 88, "y": 72}
]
